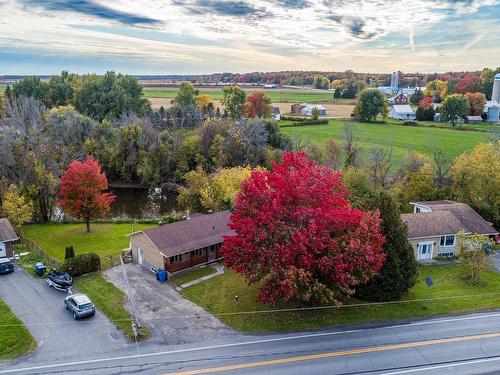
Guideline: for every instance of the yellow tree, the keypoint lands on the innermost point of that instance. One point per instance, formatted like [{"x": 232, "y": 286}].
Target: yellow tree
[
  {"x": 477, "y": 101},
  {"x": 204, "y": 102},
  {"x": 436, "y": 89},
  {"x": 18, "y": 208},
  {"x": 476, "y": 179},
  {"x": 223, "y": 188},
  {"x": 470, "y": 249}
]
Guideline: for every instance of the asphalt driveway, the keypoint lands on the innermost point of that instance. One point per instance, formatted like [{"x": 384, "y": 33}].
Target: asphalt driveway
[
  {"x": 171, "y": 318},
  {"x": 59, "y": 337}
]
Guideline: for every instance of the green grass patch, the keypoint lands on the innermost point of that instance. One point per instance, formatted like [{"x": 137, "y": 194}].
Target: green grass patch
[
  {"x": 16, "y": 339},
  {"x": 402, "y": 138},
  {"x": 276, "y": 96},
  {"x": 103, "y": 239},
  {"x": 192, "y": 275},
  {"x": 110, "y": 300},
  {"x": 449, "y": 295},
  {"x": 28, "y": 261}
]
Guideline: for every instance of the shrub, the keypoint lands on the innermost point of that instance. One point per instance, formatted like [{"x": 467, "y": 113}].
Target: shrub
[
  {"x": 82, "y": 264},
  {"x": 69, "y": 252}
]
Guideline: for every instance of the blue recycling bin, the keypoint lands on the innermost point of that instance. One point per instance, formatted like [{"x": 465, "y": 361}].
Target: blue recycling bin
[
  {"x": 162, "y": 276},
  {"x": 39, "y": 268}
]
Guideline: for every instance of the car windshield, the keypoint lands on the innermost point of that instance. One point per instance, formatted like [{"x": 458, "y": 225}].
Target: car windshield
[{"x": 85, "y": 306}]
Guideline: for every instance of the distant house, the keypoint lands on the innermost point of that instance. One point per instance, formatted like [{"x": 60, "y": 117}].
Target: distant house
[
  {"x": 7, "y": 238},
  {"x": 307, "y": 109},
  {"x": 183, "y": 244},
  {"x": 273, "y": 86},
  {"x": 473, "y": 119},
  {"x": 433, "y": 226},
  {"x": 276, "y": 113},
  {"x": 402, "y": 112},
  {"x": 295, "y": 109},
  {"x": 399, "y": 99}
]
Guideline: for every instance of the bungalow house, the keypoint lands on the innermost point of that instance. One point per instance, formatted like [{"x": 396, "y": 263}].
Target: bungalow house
[
  {"x": 7, "y": 237},
  {"x": 183, "y": 244},
  {"x": 433, "y": 226},
  {"x": 402, "y": 112}
]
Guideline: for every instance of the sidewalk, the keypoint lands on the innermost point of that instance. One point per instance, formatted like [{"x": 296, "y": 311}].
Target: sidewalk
[{"x": 219, "y": 268}]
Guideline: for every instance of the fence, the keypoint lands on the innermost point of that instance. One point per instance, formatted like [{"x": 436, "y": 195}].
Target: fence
[{"x": 49, "y": 261}]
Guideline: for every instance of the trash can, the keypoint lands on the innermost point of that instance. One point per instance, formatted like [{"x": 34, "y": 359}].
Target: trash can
[
  {"x": 40, "y": 268},
  {"x": 162, "y": 276}
]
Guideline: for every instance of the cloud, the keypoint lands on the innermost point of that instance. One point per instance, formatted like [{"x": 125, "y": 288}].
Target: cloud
[
  {"x": 91, "y": 8},
  {"x": 224, "y": 8},
  {"x": 411, "y": 38},
  {"x": 295, "y": 4}
]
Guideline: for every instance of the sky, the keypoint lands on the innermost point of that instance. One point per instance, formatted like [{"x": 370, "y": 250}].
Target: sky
[{"x": 204, "y": 36}]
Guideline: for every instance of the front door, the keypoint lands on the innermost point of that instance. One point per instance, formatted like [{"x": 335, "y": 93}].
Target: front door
[
  {"x": 3, "y": 250},
  {"x": 212, "y": 253},
  {"x": 139, "y": 255},
  {"x": 425, "y": 250}
]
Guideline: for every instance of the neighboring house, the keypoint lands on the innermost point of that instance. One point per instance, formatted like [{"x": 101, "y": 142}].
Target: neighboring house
[
  {"x": 7, "y": 237},
  {"x": 307, "y": 109},
  {"x": 399, "y": 99},
  {"x": 276, "y": 113},
  {"x": 433, "y": 226},
  {"x": 473, "y": 119},
  {"x": 402, "y": 112},
  {"x": 183, "y": 244},
  {"x": 295, "y": 109}
]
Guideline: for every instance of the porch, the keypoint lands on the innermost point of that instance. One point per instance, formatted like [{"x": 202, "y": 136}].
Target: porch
[{"x": 193, "y": 258}]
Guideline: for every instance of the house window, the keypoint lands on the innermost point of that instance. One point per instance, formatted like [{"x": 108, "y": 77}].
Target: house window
[
  {"x": 196, "y": 253},
  {"x": 447, "y": 240},
  {"x": 176, "y": 258},
  {"x": 417, "y": 210}
]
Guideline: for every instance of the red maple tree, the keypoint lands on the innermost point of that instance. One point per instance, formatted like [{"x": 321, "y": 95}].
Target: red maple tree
[
  {"x": 426, "y": 102},
  {"x": 467, "y": 84},
  {"x": 258, "y": 104},
  {"x": 82, "y": 192},
  {"x": 298, "y": 236}
]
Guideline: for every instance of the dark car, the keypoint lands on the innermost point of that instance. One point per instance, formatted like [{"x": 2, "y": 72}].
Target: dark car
[
  {"x": 80, "y": 305},
  {"x": 6, "y": 266}
]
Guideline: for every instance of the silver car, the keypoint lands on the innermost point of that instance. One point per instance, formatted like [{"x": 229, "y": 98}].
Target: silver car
[{"x": 80, "y": 305}]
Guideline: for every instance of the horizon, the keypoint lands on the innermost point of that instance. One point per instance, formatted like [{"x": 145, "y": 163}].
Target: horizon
[{"x": 186, "y": 37}]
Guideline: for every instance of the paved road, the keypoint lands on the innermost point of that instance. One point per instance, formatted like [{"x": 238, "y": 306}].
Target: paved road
[
  {"x": 59, "y": 337},
  {"x": 468, "y": 344}
]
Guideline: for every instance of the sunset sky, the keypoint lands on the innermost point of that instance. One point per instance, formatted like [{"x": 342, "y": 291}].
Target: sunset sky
[{"x": 203, "y": 36}]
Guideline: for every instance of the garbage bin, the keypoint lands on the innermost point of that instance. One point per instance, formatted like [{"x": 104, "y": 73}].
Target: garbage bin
[
  {"x": 162, "y": 276},
  {"x": 40, "y": 268}
]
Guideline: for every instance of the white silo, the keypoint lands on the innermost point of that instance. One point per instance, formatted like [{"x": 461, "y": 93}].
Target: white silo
[
  {"x": 394, "y": 81},
  {"x": 495, "y": 94}
]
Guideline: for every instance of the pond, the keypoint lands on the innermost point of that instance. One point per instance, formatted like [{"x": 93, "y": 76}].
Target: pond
[{"x": 136, "y": 202}]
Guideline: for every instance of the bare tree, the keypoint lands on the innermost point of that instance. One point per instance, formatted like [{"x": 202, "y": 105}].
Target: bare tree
[
  {"x": 333, "y": 153},
  {"x": 351, "y": 146},
  {"x": 443, "y": 164},
  {"x": 379, "y": 166}
]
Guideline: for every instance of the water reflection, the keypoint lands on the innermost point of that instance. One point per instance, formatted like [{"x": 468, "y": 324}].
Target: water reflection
[{"x": 137, "y": 203}]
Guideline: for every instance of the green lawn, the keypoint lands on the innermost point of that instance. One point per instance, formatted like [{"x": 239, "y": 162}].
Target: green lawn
[
  {"x": 403, "y": 138},
  {"x": 15, "y": 339},
  {"x": 193, "y": 275},
  {"x": 104, "y": 239},
  {"x": 283, "y": 96},
  {"x": 110, "y": 300},
  {"x": 450, "y": 293}
]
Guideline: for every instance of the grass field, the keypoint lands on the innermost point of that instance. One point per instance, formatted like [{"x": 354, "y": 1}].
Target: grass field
[
  {"x": 16, "y": 339},
  {"x": 449, "y": 295},
  {"x": 110, "y": 300},
  {"x": 402, "y": 138},
  {"x": 281, "y": 96},
  {"x": 104, "y": 239},
  {"x": 193, "y": 275}
]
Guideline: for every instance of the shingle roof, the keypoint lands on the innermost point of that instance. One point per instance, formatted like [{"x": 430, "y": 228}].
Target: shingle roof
[
  {"x": 7, "y": 233},
  {"x": 402, "y": 108},
  {"x": 447, "y": 217},
  {"x": 186, "y": 235}
]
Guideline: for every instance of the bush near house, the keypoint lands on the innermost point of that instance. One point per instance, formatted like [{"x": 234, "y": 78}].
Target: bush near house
[{"x": 82, "y": 264}]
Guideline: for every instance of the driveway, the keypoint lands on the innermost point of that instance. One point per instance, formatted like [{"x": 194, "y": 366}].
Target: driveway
[
  {"x": 59, "y": 337},
  {"x": 171, "y": 318}
]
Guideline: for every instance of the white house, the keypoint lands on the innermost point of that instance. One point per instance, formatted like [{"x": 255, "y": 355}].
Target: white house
[
  {"x": 402, "y": 112},
  {"x": 307, "y": 109},
  {"x": 276, "y": 113}
]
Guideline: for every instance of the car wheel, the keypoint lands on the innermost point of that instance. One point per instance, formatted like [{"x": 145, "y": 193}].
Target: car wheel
[
  {"x": 66, "y": 305},
  {"x": 74, "y": 316}
]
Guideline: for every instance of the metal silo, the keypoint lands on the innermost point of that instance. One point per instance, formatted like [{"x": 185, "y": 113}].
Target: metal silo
[{"x": 495, "y": 94}]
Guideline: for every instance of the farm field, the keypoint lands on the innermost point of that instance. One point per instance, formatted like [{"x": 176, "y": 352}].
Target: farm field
[
  {"x": 103, "y": 239},
  {"x": 402, "y": 138},
  {"x": 449, "y": 294}
]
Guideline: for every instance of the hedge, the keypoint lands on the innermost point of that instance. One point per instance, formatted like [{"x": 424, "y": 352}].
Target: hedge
[
  {"x": 306, "y": 122},
  {"x": 82, "y": 264}
]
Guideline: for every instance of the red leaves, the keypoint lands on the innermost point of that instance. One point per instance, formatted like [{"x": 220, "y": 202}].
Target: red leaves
[
  {"x": 298, "y": 235},
  {"x": 81, "y": 192},
  {"x": 426, "y": 102}
]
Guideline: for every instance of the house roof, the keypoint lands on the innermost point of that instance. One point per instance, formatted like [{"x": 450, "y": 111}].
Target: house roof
[
  {"x": 474, "y": 118},
  {"x": 7, "y": 233},
  {"x": 191, "y": 234},
  {"x": 447, "y": 217},
  {"x": 402, "y": 108}
]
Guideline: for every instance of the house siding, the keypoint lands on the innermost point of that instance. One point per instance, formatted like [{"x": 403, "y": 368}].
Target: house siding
[
  {"x": 436, "y": 249},
  {"x": 9, "y": 249},
  {"x": 152, "y": 258}
]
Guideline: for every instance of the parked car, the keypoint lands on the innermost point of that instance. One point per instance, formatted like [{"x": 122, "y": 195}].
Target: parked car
[
  {"x": 80, "y": 305},
  {"x": 6, "y": 266}
]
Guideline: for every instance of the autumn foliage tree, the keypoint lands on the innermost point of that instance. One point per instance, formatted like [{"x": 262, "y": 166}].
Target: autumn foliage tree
[
  {"x": 258, "y": 104},
  {"x": 82, "y": 192},
  {"x": 477, "y": 101},
  {"x": 297, "y": 236}
]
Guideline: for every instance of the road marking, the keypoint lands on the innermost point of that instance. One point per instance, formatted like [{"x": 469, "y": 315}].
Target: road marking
[
  {"x": 448, "y": 365},
  {"x": 252, "y": 342},
  {"x": 342, "y": 353}
]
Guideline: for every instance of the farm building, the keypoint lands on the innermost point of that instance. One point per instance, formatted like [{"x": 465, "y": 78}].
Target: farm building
[
  {"x": 399, "y": 99},
  {"x": 308, "y": 108},
  {"x": 183, "y": 244},
  {"x": 473, "y": 119},
  {"x": 402, "y": 112}
]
